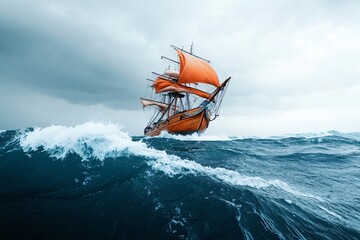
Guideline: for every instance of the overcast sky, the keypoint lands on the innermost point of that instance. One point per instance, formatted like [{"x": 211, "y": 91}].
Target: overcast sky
[{"x": 295, "y": 65}]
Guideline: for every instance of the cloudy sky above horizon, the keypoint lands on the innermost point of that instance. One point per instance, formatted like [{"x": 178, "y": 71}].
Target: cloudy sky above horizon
[{"x": 295, "y": 65}]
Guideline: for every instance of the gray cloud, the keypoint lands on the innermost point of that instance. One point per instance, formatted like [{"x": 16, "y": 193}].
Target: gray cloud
[
  {"x": 76, "y": 66},
  {"x": 282, "y": 55}
]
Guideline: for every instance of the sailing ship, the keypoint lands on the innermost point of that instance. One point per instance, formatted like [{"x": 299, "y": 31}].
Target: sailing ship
[{"x": 190, "y": 96}]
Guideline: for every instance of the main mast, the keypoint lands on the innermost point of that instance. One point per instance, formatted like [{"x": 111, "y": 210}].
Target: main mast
[{"x": 181, "y": 90}]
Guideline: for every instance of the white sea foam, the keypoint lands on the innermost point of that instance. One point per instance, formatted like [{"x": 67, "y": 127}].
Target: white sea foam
[
  {"x": 196, "y": 137},
  {"x": 174, "y": 166},
  {"x": 108, "y": 140},
  {"x": 331, "y": 213},
  {"x": 103, "y": 139}
]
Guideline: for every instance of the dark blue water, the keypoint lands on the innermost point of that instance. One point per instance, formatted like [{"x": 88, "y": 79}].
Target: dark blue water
[{"x": 93, "y": 181}]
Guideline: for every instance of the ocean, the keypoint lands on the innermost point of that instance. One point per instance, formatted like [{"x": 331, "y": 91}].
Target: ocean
[{"x": 95, "y": 181}]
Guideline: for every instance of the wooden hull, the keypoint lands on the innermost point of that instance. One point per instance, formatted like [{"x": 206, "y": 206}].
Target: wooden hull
[{"x": 188, "y": 122}]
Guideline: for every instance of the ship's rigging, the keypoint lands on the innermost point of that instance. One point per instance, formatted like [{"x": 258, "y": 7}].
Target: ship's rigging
[{"x": 190, "y": 96}]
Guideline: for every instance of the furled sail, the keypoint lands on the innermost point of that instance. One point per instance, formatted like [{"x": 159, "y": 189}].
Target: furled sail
[
  {"x": 163, "y": 85},
  {"x": 184, "y": 108},
  {"x": 171, "y": 73},
  {"x": 196, "y": 70},
  {"x": 148, "y": 102}
]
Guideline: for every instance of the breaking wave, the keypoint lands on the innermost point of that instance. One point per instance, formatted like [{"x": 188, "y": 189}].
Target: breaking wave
[
  {"x": 100, "y": 141},
  {"x": 178, "y": 186}
]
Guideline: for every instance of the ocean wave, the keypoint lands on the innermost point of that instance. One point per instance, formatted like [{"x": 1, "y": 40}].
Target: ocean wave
[
  {"x": 100, "y": 141},
  {"x": 89, "y": 140},
  {"x": 260, "y": 188},
  {"x": 171, "y": 168}
]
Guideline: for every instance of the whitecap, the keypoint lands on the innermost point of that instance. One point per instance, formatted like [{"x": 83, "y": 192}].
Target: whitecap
[
  {"x": 195, "y": 137},
  {"x": 108, "y": 140},
  {"x": 104, "y": 140}
]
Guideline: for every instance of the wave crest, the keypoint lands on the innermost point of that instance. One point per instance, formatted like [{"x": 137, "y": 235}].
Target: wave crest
[
  {"x": 103, "y": 140},
  {"x": 98, "y": 140}
]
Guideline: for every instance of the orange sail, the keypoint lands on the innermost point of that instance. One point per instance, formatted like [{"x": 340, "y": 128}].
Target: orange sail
[
  {"x": 196, "y": 70},
  {"x": 184, "y": 108},
  {"x": 162, "y": 85}
]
